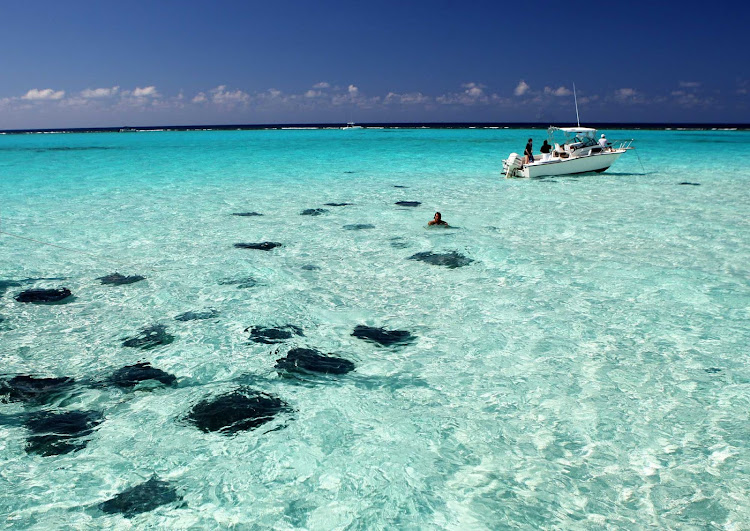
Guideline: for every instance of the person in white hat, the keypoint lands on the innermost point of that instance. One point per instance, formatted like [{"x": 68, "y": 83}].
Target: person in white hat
[{"x": 603, "y": 142}]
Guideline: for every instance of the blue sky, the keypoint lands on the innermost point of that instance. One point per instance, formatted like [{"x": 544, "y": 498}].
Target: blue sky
[{"x": 85, "y": 63}]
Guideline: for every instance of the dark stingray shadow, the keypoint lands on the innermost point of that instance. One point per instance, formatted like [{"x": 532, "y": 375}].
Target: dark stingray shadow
[
  {"x": 624, "y": 174},
  {"x": 35, "y": 391},
  {"x": 242, "y": 409},
  {"x": 5, "y": 284},
  {"x": 577, "y": 176},
  {"x": 141, "y": 498},
  {"x": 46, "y": 297},
  {"x": 39, "y": 392},
  {"x": 442, "y": 229}
]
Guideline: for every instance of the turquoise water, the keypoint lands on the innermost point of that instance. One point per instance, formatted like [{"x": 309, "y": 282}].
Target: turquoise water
[{"x": 587, "y": 370}]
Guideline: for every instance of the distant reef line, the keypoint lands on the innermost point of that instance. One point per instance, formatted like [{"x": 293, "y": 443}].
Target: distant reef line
[{"x": 659, "y": 126}]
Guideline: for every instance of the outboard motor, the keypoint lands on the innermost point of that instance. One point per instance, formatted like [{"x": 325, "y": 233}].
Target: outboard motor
[{"x": 512, "y": 164}]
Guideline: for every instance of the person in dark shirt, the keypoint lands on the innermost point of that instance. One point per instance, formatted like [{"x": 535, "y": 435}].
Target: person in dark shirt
[
  {"x": 545, "y": 149},
  {"x": 528, "y": 154}
]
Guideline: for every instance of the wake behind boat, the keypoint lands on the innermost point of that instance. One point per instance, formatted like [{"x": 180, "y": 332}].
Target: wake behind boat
[{"x": 579, "y": 152}]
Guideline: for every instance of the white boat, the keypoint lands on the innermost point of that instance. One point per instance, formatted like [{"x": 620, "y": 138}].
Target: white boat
[
  {"x": 579, "y": 152},
  {"x": 351, "y": 125}
]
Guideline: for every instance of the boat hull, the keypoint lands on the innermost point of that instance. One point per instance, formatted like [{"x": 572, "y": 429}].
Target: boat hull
[{"x": 592, "y": 163}]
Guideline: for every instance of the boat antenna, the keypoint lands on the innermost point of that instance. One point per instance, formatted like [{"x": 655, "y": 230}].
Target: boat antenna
[{"x": 578, "y": 120}]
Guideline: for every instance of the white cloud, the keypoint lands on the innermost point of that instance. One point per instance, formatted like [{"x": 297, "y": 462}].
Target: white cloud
[
  {"x": 625, "y": 93},
  {"x": 321, "y": 85},
  {"x": 412, "y": 98},
  {"x": 44, "y": 94},
  {"x": 99, "y": 92},
  {"x": 75, "y": 101},
  {"x": 521, "y": 88},
  {"x": 351, "y": 96},
  {"x": 472, "y": 94},
  {"x": 631, "y": 96},
  {"x": 313, "y": 94},
  {"x": 200, "y": 98},
  {"x": 473, "y": 90},
  {"x": 689, "y": 99},
  {"x": 145, "y": 92},
  {"x": 559, "y": 91},
  {"x": 588, "y": 99},
  {"x": 689, "y": 84},
  {"x": 274, "y": 98},
  {"x": 222, "y": 96}
]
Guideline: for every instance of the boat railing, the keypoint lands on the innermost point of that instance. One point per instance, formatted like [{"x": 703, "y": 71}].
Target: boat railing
[{"x": 621, "y": 144}]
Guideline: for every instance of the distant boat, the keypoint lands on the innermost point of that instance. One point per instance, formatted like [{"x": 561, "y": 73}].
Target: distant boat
[{"x": 351, "y": 125}]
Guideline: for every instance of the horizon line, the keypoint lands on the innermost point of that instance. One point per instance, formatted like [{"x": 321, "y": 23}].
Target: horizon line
[{"x": 386, "y": 125}]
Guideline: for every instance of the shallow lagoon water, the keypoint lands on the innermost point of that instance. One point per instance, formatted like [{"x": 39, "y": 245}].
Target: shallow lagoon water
[{"x": 588, "y": 368}]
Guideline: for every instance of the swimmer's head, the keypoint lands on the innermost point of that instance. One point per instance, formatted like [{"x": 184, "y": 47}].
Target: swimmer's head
[{"x": 437, "y": 216}]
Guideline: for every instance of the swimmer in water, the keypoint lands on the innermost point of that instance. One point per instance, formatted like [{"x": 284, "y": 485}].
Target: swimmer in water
[{"x": 438, "y": 220}]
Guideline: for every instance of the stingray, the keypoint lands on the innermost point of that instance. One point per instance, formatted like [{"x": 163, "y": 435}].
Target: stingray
[
  {"x": 307, "y": 360},
  {"x": 359, "y": 226},
  {"x": 262, "y": 246},
  {"x": 313, "y": 212},
  {"x": 273, "y": 334},
  {"x": 451, "y": 260},
  {"x": 116, "y": 279},
  {"x": 242, "y": 409},
  {"x": 241, "y": 283},
  {"x": 131, "y": 375},
  {"x": 383, "y": 337},
  {"x": 150, "y": 337},
  {"x": 44, "y": 296},
  {"x": 60, "y": 433},
  {"x": 26, "y": 388},
  {"x": 141, "y": 498},
  {"x": 197, "y": 316}
]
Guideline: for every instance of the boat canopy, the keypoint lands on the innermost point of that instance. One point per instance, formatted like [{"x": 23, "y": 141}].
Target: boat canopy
[{"x": 585, "y": 136}]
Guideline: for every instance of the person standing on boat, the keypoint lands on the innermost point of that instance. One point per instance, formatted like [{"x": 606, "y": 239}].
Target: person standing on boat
[
  {"x": 545, "y": 149},
  {"x": 528, "y": 153}
]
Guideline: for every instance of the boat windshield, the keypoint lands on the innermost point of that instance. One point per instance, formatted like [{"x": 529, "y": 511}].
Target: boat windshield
[{"x": 585, "y": 139}]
